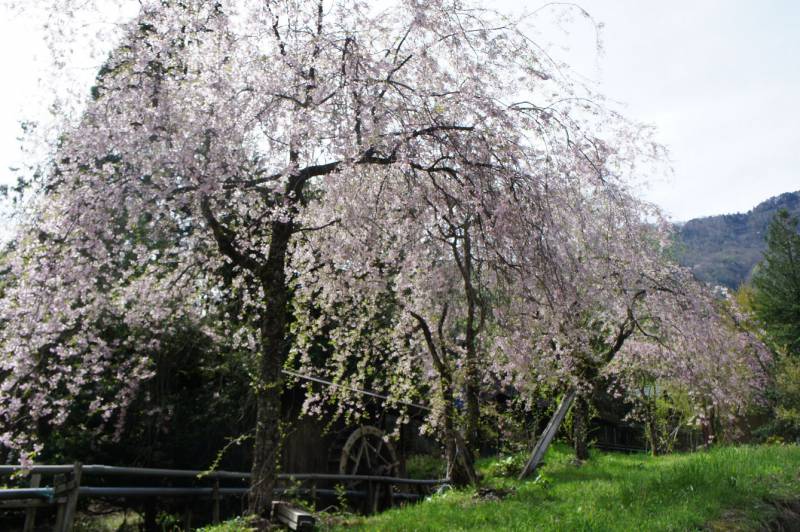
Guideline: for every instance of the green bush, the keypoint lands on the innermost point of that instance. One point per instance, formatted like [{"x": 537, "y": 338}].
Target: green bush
[
  {"x": 425, "y": 466},
  {"x": 239, "y": 524},
  {"x": 506, "y": 466}
]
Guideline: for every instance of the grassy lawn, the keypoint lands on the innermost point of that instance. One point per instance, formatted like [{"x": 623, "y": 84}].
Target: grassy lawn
[{"x": 725, "y": 488}]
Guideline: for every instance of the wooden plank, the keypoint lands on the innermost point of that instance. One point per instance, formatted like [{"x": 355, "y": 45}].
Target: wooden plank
[
  {"x": 62, "y": 503},
  {"x": 66, "y": 487},
  {"x": 293, "y": 517},
  {"x": 72, "y": 498},
  {"x": 66, "y": 511},
  {"x": 30, "y": 513},
  {"x": 548, "y": 434}
]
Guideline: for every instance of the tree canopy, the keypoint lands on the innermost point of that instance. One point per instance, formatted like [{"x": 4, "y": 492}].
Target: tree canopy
[{"x": 239, "y": 156}]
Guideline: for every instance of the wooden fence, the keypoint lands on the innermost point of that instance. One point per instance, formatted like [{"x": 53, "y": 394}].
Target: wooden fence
[{"x": 69, "y": 484}]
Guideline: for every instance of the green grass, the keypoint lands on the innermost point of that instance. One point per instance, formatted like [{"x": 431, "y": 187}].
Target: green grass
[
  {"x": 240, "y": 524},
  {"x": 724, "y": 488}
]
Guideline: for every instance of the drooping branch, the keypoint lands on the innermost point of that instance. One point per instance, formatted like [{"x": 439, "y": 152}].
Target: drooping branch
[
  {"x": 226, "y": 239},
  {"x": 625, "y": 329},
  {"x": 429, "y": 341}
]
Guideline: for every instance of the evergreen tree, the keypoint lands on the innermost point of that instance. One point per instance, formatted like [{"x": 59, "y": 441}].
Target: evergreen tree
[{"x": 776, "y": 283}]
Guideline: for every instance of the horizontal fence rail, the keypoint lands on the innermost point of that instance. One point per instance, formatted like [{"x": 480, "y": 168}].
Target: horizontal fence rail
[
  {"x": 363, "y": 478},
  {"x": 67, "y": 487},
  {"x": 104, "y": 470},
  {"x": 41, "y": 469},
  {"x": 27, "y": 493},
  {"x": 47, "y": 494}
]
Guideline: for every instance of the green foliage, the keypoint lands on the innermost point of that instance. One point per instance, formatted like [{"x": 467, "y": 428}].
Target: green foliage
[
  {"x": 776, "y": 284},
  {"x": 240, "y": 524},
  {"x": 133, "y": 522},
  {"x": 169, "y": 522},
  {"x": 343, "y": 506},
  {"x": 784, "y": 424},
  {"x": 506, "y": 466},
  {"x": 114, "y": 522},
  {"x": 182, "y": 418},
  {"x": 774, "y": 299},
  {"x": 425, "y": 466},
  {"x": 788, "y": 387},
  {"x": 665, "y": 410}
]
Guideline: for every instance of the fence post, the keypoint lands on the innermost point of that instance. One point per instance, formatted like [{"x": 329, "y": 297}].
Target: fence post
[
  {"x": 71, "y": 488},
  {"x": 58, "y": 482},
  {"x": 187, "y": 517},
  {"x": 66, "y": 493},
  {"x": 215, "y": 508},
  {"x": 30, "y": 513},
  {"x": 314, "y": 494}
]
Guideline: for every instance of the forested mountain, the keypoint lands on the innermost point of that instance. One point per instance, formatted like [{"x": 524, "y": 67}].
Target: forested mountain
[{"x": 723, "y": 249}]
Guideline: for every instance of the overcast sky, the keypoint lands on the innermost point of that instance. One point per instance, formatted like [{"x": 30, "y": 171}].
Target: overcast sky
[{"x": 718, "y": 78}]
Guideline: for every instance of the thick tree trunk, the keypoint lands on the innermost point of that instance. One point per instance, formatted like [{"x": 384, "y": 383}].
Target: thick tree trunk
[
  {"x": 459, "y": 457},
  {"x": 269, "y": 386},
  {"x": 580, "y": 428},
  {"x": 460, "y": 463},
  {"x": 473, "y": 413},
  {"x": 472, "y": 374}
]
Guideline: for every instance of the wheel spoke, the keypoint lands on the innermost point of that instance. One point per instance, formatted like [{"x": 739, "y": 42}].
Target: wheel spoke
[
  {"x": 365, "y": 446},
  {"x": 368, "y": 452},
  {"x": 357, "y": 460}
]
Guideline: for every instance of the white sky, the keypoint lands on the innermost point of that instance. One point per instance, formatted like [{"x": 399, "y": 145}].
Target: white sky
[{"x": 718, "y": 78}]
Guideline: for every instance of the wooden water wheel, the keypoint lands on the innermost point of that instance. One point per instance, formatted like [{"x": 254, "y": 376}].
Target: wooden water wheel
[{"x": 368, "y": 451}]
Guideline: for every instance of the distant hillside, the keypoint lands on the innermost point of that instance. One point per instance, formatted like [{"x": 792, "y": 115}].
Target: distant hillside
[{"x": 723, "y": 249}]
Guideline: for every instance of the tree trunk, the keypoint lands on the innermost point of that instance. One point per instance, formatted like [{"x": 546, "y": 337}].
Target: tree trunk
[
  {"x": 651, "y": 425},
  {"x": 266, "y": 449},
  {"x": 580, "y": 428},
  {"x": 473, "y": 414},
  {"x": 652, "y": 435},
  {"x": 460, "y": 461},
  {"x": 708, "y": 428},
  {"x": 460, "y": 464},
  {"x": 472, "y": 375}
]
